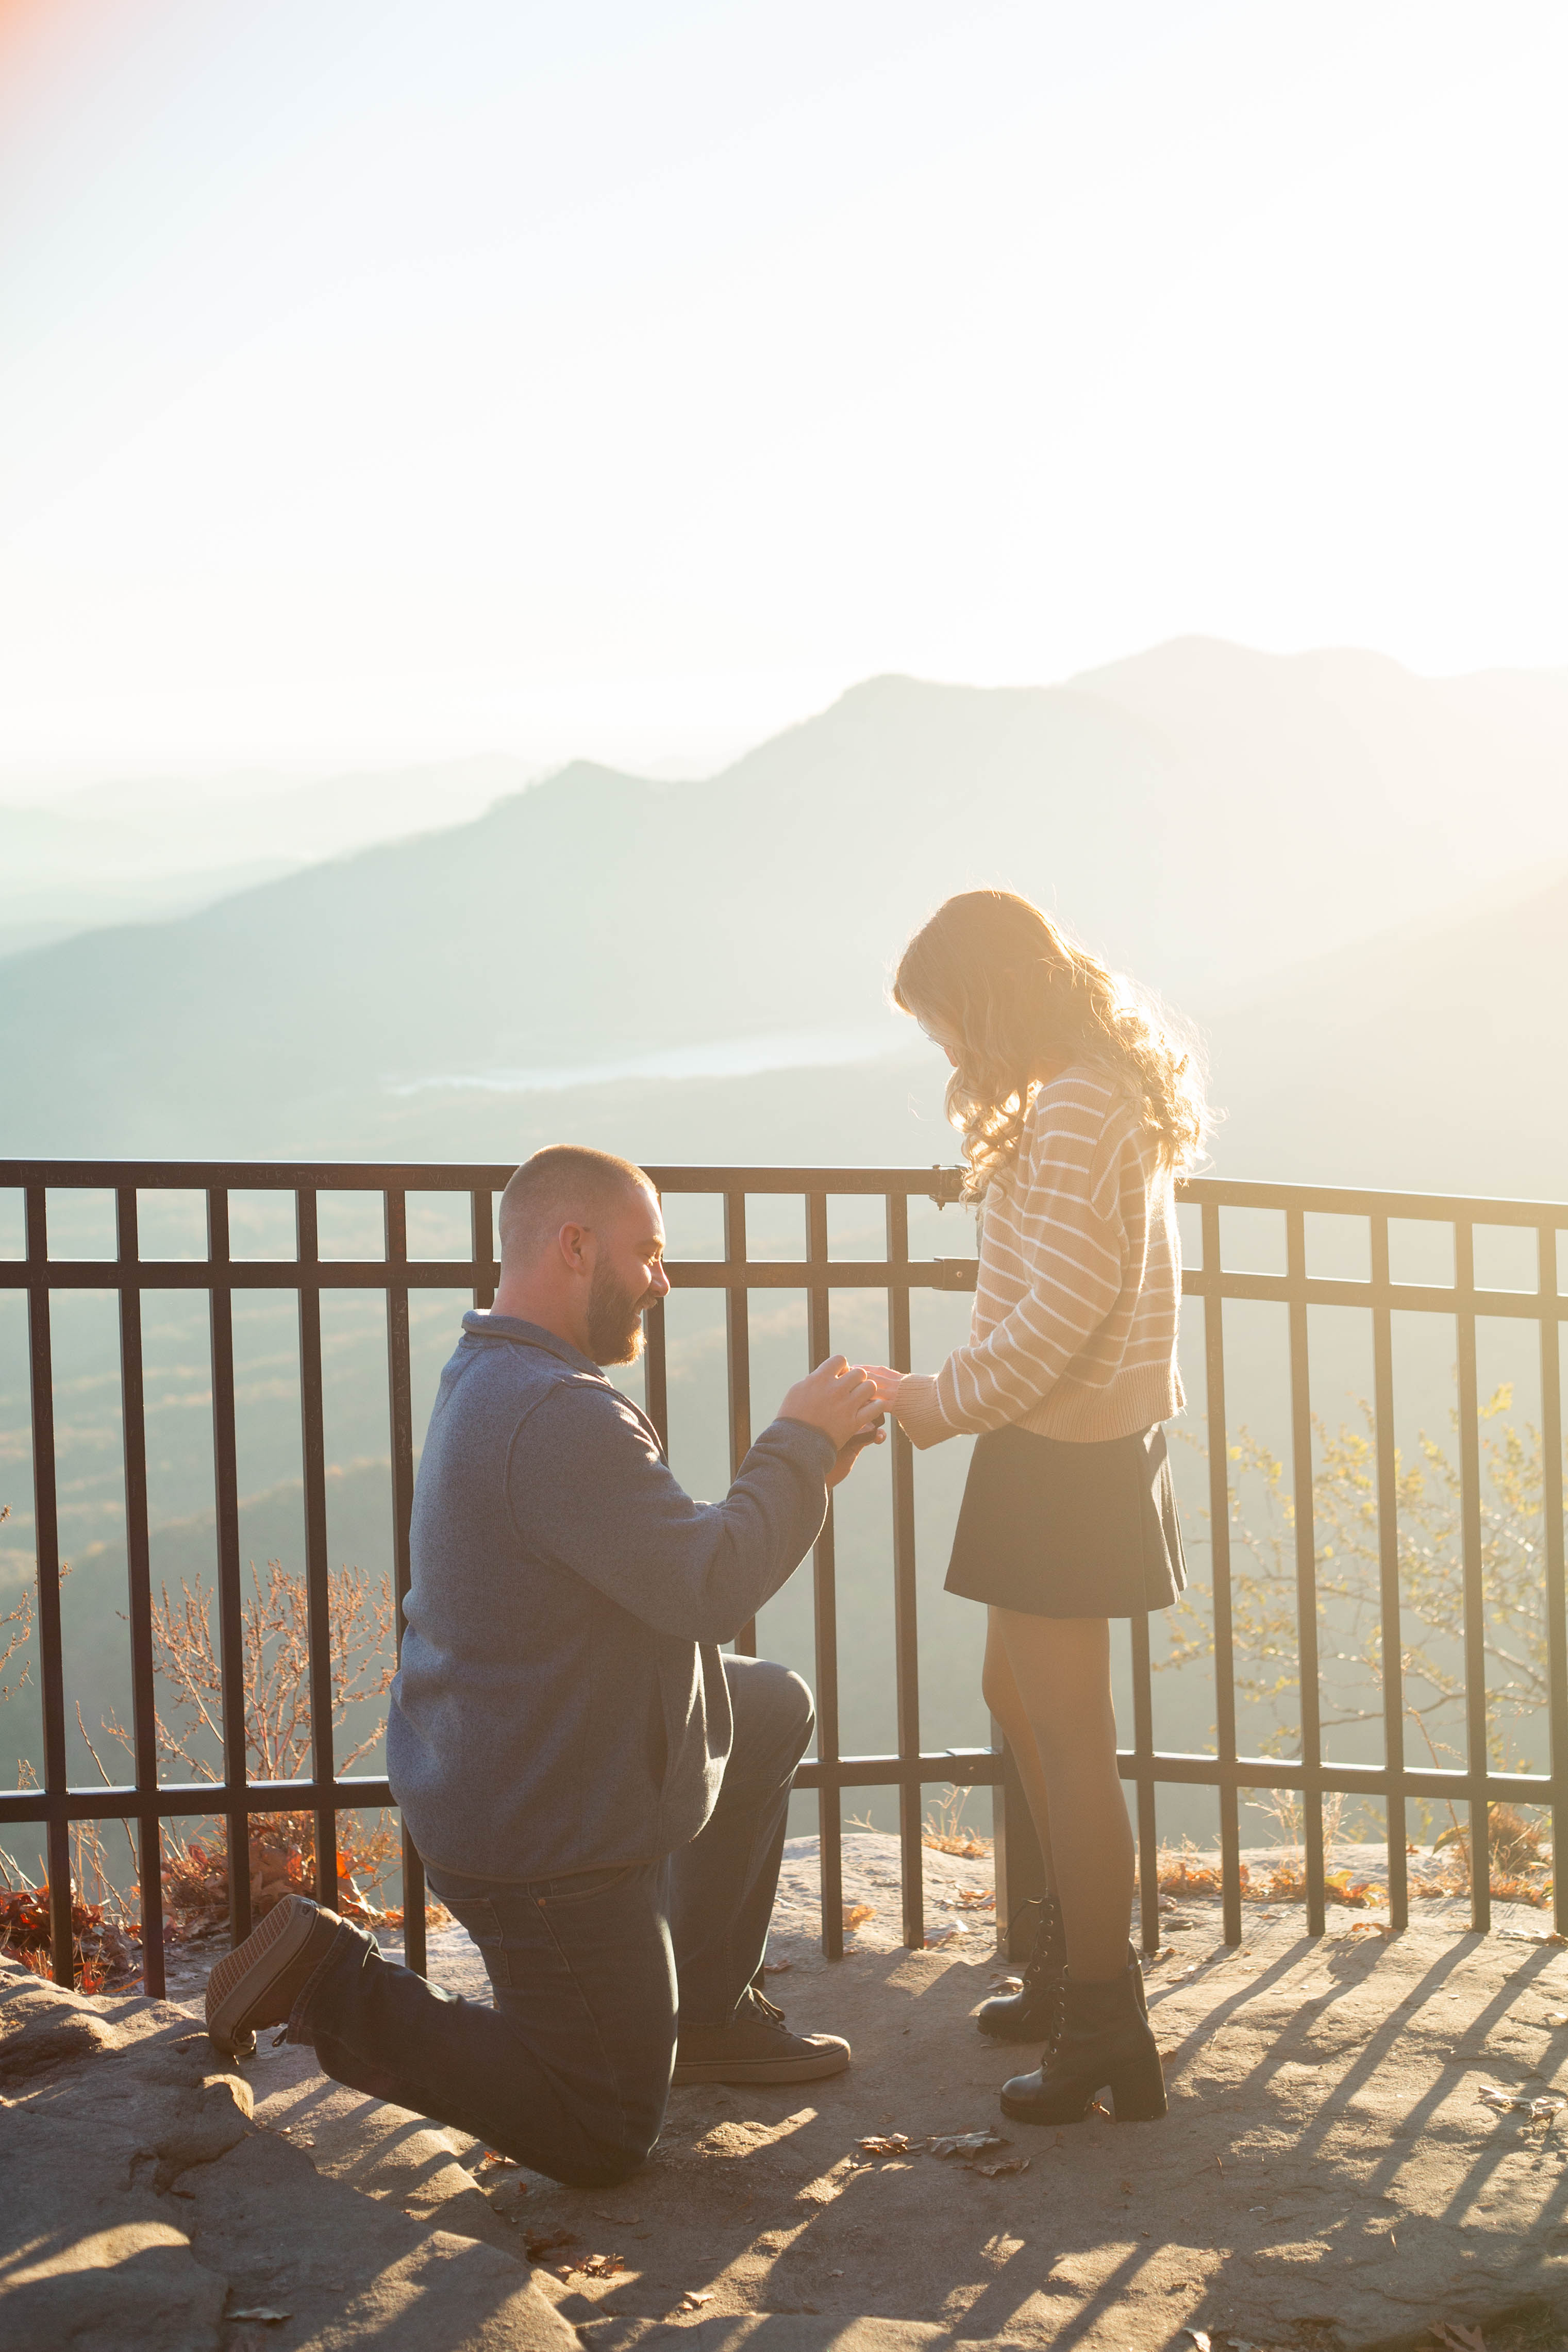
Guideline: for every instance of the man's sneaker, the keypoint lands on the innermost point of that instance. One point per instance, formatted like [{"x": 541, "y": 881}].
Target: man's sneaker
[
  {"x": 756, "y": 2046},
  {"x": 260, "y": 1981}
]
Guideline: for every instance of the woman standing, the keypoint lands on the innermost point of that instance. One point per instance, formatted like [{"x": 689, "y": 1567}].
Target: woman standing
[{"x": 1077, "y": 1111}]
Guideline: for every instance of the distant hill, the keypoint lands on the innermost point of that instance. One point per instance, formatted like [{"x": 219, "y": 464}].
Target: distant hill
[
  {"x": 1432, "y": 1059},
  {"x": 1205, "y": 814}
]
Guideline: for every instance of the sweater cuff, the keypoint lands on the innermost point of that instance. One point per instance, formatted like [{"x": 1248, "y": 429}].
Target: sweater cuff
[
  {"x": 810, "y": 1446},
  {"x": 918, "y": 1413}
]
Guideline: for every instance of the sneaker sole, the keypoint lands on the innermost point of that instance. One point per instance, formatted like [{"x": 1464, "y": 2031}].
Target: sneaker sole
[
  {"x": 240, "y": 1982},
  {"x": 815, "y": 2069}
]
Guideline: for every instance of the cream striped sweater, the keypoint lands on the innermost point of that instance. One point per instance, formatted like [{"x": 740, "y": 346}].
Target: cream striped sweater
[{"x": 1074, "y": 1333}]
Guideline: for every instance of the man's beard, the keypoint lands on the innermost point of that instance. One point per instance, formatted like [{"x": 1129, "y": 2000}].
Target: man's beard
[{"x": 615, "y": 1320}]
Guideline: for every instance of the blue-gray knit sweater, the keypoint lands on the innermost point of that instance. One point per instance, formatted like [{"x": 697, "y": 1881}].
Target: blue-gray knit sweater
[{"x": 561, "y": 1705}]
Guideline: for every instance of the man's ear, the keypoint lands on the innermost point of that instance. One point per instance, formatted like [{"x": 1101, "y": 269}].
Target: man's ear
[{"x": 573, "y": 1242}]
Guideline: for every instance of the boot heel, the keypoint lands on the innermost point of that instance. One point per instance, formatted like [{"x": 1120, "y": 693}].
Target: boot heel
[{"x": 1137, "y": 2091}]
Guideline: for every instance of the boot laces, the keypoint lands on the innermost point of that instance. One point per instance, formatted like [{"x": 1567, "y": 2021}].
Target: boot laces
[{"x": 760, "y": 2001}]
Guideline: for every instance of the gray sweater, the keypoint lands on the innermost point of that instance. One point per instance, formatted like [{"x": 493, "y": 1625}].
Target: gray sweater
[{"x": 561, "y": 1703}]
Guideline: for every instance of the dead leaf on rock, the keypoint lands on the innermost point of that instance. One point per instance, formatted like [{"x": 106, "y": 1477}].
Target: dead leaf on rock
[
  {"x": 1008, "y": 2164},
  {"x": 544, "y": 2241},
  {"x": 694, "y": 2302},
  {"x": 1454, "y": 2337},
  {"x": 975, "y": 1898},
  {"x": 776, "y": 1968},
  {"x": 856, "y": 1914},
  {"x": 1199, "y": 2337},
  {"x": 267, "y": 2318},
  {"x": 966, "y": 2143},
  {"x": 887, "y": 2143},
  {"x": 601, "y": 2265},
  {"x": 1539, "y": 2110}
]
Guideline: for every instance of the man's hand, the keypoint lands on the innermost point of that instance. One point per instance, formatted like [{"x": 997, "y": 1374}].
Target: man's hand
[
  {"x": 838, "y": 1399},
  {"x": 850, "y": 1454}
]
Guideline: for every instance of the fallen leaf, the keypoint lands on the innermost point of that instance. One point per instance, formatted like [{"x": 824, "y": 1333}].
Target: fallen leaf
[
  {"x": 975, "y": 1898},
  {"x": 1199, "y": 2337},
  {"x": 1457, "y": 2338},
  {"x": 267, "y": 2318},
  {"x": 695, "y": 2302},
  {"x": 856, "y": 1914},
  {"x": 1540, "y": 2110},
  {"x": 1008, "y": 2164},
  {"x": 947, "y": 1933},
  {"x": 966, "y": 2143},
  {"x": 886, "y": 2144},
  {"x": 776, "y": 1968},
  {"x": 601, "y": 2265},
  {"x": 544, "y": 2241}
]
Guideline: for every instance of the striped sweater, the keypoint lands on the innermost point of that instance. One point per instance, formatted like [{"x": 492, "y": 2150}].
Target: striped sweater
[{"x": 1074, "y": 1333}]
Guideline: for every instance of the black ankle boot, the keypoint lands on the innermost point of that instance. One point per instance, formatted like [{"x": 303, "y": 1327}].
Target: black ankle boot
[
  {"x": 1102, "y": 2042},
  {"x": 1028, "y": 2015}
]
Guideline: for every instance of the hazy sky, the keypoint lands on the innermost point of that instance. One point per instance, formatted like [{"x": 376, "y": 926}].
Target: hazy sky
[{"x": 382, "y": 380}]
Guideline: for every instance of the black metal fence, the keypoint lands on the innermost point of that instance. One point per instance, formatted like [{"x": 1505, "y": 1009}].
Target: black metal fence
[{"x": 147, "y": 1802}]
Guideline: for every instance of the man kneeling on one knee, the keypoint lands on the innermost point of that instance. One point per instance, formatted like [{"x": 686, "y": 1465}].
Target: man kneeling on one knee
[{"x": 599, "y": 1794}]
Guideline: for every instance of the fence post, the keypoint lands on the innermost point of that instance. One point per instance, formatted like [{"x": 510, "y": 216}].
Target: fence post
[{"x": 1020, "y": 1866}]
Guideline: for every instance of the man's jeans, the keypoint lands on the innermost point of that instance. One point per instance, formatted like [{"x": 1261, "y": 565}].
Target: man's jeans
[{"x": 570, "y": 2070}]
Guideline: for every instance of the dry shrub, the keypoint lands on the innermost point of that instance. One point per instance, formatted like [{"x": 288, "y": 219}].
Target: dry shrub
[
  {"x": 1185, "y": 1871},
  {"x": 282, "y": 1863},
  {"x": 104, "y": 1944},
  {"x": 944, "y": 1831},
  {"x": 1520, "y": 1860}
]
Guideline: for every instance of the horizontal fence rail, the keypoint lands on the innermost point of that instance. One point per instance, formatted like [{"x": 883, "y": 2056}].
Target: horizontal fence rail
[{"x": 146, "y": 1802}]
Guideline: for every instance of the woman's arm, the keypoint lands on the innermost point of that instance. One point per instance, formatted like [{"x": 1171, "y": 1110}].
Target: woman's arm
[{"x": 1064, "y": 1239}]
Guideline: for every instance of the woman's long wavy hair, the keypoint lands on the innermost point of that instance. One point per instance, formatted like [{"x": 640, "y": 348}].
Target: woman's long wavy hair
[{"x": 1010, "y": 994}]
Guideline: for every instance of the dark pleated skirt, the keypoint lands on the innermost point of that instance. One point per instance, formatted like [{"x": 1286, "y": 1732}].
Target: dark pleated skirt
[{"x": 1054, "y": 1529}]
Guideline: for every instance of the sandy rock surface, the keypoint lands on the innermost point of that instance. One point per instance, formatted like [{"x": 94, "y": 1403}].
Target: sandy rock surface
[
  {"x": 1329, "y": 2175},
  {"x": 1329, "y": 2179},
  {"x": 141, "y": 2206}
]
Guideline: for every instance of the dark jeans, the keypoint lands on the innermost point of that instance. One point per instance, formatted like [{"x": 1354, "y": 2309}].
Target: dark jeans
[{"x": 570, "y": 2070}]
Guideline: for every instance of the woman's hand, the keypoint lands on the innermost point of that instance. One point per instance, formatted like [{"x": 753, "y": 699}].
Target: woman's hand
[{"x": 888, "y": 1383}]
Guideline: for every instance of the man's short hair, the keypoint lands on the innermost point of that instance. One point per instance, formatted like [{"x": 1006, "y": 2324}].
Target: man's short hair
[{"x": 564, "y": 1183}]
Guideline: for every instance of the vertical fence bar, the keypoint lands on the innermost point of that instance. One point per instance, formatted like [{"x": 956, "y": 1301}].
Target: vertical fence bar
[
  {"x": 1306, "y": 1568},
  {"x": 1391, "y": 1637},
  {"x": 482, "y": 1225},
  {"x": 656, "y": 1371},
  {"x": 230, "y": 1606},
  {"x": 1552, "y": 1530},
  {"x": 1474, "y": 1593},
  {"x": 738, "y": 1361},
  {"x": 139, "y": 1598},
  {"x": 1143, "y": 1777},
  {"x": 400, "y": 1413},
  {"x": 825, "y": 1594},
  {"x": 318, "y": 1591},
  {"x": 906, "y": 1626},
  {"x": 47, "y": 1532},
  {"x": 1224, "y": 1624}
]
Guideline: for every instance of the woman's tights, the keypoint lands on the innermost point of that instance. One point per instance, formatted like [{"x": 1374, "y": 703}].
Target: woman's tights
[{"x": 1047, "y": 1682}]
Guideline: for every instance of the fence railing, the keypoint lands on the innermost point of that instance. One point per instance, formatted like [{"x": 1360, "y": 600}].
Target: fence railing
[{"x": 146, "y": 1802}]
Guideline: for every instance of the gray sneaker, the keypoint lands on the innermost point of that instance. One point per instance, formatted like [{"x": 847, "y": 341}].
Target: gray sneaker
[
  {"x": 260, "y": 1981},
  {"x": 756, "y": 2046}
]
